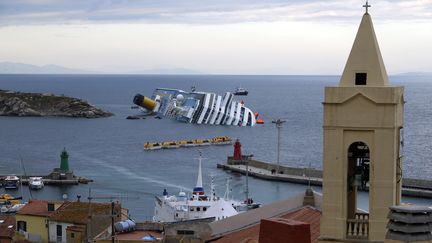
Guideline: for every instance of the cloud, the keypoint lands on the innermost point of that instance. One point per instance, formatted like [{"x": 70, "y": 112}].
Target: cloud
[{"x": 25, "y": 12}]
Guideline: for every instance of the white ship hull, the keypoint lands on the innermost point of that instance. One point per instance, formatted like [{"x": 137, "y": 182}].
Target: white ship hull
[{"x": 197, "y": 107}]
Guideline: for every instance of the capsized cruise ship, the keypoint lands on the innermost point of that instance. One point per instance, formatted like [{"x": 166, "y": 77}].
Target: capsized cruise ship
[{"x": 197, "y": 107}]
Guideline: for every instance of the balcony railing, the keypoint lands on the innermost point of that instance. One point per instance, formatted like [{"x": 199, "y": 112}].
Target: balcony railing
[{"x": 358, "y": 228}]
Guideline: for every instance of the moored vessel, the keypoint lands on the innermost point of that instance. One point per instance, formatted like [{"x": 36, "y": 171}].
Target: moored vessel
[
  {"x": 11, "y": 182},
  {"x": 36, "y": 183},
  {"x": 240, "y": 91},
  {"x": 172, "y": 208},
  {"x": 222, "y": 140},
  {"x": 152, "y": 146}
]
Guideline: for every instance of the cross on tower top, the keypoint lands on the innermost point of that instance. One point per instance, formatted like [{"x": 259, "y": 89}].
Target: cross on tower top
[{"x": 366, "y": 6}]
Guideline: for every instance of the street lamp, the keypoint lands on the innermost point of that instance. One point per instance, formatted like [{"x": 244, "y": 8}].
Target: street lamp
[
  {"x": 278, "y": 123},
  {"x": 248, "y": 158}
]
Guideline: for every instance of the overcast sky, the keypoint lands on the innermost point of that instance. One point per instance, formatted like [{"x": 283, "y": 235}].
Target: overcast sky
[{"x": 217, "y": 36}]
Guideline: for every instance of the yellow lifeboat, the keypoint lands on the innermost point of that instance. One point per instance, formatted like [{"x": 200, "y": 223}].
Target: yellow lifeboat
[
  {"x": 171, "y": 144},
  {"x": 7, "y": 198},
  {"x": 201, "y": 142},
  {"x": 221, "y": 140},
  {"x": 152, "y": 146},
  {"x": 189, "y": 143}
]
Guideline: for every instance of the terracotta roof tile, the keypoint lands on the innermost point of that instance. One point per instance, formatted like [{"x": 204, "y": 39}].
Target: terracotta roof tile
[
  {"x": 5, "y": 230},
  {"x": 77, "y": 212},
  {"x": 305, "y": 214},
  {"x": 36, "y": 208},
  {"x": 76, "y": 228}
]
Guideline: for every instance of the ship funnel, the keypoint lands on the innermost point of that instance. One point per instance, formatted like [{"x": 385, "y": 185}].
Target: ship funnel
[{"x": 144, "y": 102}]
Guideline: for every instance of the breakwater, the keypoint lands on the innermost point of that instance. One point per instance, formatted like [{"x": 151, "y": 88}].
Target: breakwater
[
  {"x": 267, "y": 171},
  {"x": 50, "y": 180}
]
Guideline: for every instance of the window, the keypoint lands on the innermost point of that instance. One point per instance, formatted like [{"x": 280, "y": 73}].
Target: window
[
  {"x": 204, "y": 209},
  {"x": 22, "y": 226},
  {"x": 360, "y": 78},
  {"x": 198, "y": 209},
  {"x": 191, "y": 209},
  {"x": 50, "y": 207},
  {"x": 72, "y": 235}
]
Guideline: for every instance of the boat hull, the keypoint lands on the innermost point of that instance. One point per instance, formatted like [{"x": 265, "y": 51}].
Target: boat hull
[
  {"x": 241, "y": 93},
  {"x": 193, "y": 107}
]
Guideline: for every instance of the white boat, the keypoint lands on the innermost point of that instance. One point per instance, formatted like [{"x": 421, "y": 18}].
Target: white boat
[
  {"x": 36, "y": 183},
  {"x": 12, "y": 208},
  {"x": 240, "y": 91},
  {"x": 171, "y": 208},
  {"x": 11, "y": 182}
]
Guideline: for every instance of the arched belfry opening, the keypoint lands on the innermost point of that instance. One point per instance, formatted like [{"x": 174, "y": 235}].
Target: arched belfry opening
[
  {"x": 358, "y": 174},
  {"x": 362, "y": 120}
]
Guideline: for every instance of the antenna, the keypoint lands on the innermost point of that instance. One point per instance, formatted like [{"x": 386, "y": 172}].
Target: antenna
[
  {"x": 112, "y": 215},
  {"x": 89, "y": 216},
  {"x": 309, "y": 174}
]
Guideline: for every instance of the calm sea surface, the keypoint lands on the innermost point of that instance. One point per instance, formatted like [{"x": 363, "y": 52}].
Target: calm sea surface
[{"x": 110, "y": 150}]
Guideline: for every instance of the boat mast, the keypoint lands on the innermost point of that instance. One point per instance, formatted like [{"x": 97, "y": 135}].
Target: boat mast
[
  {"x": 198, "y": 189},
  {"x": 199, "y": 178},
  {"x": 28, "y": 179},
  {"x": 212, "y": 188},
  {"x": 227, "y": 190}
]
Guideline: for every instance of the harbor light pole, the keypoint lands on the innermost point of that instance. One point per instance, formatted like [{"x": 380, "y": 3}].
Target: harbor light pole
[
  {"x": 248, "y": 158},
  {"x": 278, "y": 123}
]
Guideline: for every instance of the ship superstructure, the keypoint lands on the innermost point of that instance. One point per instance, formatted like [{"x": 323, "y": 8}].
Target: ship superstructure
[
  {"x": 197, "y": 107},
  {"x": 171, "y": 208}
]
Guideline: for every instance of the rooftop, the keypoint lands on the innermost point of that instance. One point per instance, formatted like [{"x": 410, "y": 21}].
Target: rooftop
[
  {"x": 77, "y": 212},
  {"x": 304, "y": 214},
  {"x": 137, "y": 235},
  {"x": 7, "y": 226},
  {"x": 36, "y": 208},
  {"x": 246, "y": 226}
]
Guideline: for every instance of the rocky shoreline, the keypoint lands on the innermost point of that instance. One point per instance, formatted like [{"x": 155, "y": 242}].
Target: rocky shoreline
[{"x": 38, "y": 104}]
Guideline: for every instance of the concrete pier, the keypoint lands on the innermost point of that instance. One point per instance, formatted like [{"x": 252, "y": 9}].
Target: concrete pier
[
  {"x": 267, "y": 171},
  {"x": 48, "y": 180}
]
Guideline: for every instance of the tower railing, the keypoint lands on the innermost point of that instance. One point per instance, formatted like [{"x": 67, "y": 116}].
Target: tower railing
[{"x": 358, "y": 228}]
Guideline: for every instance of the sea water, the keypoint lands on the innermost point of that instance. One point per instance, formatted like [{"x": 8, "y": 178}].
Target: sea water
[{"x": 110, "y": 150}]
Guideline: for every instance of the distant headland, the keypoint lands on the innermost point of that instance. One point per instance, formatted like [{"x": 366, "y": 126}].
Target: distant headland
[{"x": 38, "y": 104}]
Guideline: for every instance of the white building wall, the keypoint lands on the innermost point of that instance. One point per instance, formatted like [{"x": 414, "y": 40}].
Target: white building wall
[{"x": 52, "y": 230}]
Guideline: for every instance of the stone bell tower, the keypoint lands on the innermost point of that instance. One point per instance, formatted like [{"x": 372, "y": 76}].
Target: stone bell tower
[{"x": 363, "y": 119}]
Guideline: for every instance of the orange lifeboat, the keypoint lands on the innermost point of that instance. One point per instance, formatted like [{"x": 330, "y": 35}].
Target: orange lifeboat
[{"x": 260, "y": 121}]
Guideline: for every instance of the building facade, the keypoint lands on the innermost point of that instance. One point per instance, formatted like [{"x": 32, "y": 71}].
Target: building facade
[{"x": 363, "y": 120}]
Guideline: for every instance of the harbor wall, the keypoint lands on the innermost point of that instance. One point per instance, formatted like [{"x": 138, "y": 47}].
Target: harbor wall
[{"x": 268, "y": 171}]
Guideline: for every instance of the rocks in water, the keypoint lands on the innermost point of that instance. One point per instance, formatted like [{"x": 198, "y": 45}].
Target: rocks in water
[{"x": 36, "y": 104}]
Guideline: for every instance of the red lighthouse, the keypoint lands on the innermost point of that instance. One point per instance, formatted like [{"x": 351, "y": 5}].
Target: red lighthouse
[{"x": 237, "y": 150}]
